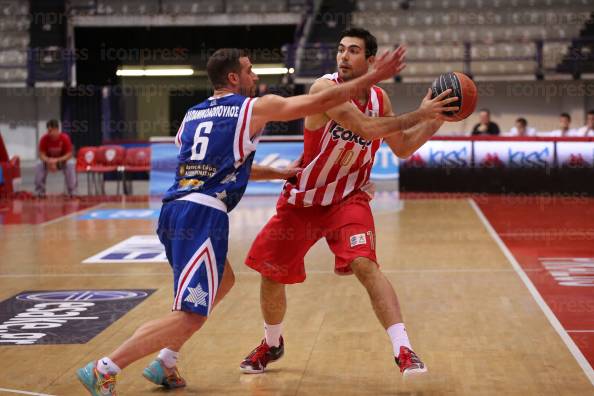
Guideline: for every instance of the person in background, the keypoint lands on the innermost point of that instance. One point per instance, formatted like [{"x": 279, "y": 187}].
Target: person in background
[
  {"x": 588, "y": 129},
  {"x": 55, "y": 149},
  {"x": 564, "y": 128},
  {"x": 521, "y": 129},
  {"x": 485, "y": 125}
]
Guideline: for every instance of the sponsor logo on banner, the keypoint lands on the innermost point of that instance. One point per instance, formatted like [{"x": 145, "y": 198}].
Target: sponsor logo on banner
[
  {"x": 441, "y": 154},
  {"x": 63, "y": 316},
  {"x": 575, "y": 154},
  {"x": 136, "y": 249},
  {"x": 513, "y": 154}
]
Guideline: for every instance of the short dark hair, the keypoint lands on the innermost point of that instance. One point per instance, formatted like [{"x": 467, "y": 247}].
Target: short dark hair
[
  {"x": 591, "y": 112},
  {"x": 53, "y": 123},
  {"x": 485, "y": 110},
  {"x": 368, "y": 38},
  {"x": 522, "y": 121},
  {"x": 565, "y": 115},
  {"x": 221, "y": 63}
]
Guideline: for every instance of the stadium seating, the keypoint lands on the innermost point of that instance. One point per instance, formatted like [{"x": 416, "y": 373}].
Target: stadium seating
[
  {"x": 95, "y": 162},
  {"x": 503, "y": 35},
  {"x": 14, "y": 40},
  {"x": 182, "y": 7},
  {"x": 137, "y": 160}
]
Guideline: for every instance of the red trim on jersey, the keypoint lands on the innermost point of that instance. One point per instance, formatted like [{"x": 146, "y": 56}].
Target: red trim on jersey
[
  {"x": 320, "y": 162},
  {"x": 245, "y": 114},
  {"x": 380, "y": 100},
  {"x": 336, "y": 166},
  {"x": 340, "y": 187},
  {"x": 320, "y": 147}
]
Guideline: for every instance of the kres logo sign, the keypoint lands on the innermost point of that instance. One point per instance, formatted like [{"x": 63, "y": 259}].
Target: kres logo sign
[{"x": 63, "y": 317}]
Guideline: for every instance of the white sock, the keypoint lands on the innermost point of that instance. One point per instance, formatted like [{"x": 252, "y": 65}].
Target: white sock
[
  {"x": 272, "y": 333},
  {"x": 169, "y": 357},
  {"x": 397, "y": 333},
  {"x": 107, "y": 366}
]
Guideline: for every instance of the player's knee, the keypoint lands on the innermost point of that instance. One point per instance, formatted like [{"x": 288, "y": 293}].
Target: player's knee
[
  {"x": 364, "y": 269},
  {"x": 272, "y": 285},
  {"x": 191, "y": 322}
]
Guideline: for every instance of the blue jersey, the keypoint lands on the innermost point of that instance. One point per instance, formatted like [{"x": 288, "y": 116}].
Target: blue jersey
[{"x": 216, "y": 151}]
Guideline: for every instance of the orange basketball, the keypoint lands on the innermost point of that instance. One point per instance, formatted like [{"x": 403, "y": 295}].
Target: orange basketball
[{"x": 462, "y": 87}]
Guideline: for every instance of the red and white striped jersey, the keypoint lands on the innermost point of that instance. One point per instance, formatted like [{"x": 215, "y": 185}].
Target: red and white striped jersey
[{"x": 336, "y": 161}]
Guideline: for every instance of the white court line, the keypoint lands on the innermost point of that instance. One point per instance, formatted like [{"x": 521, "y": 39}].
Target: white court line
[
  {"x": 315, "y": 272},
  {"x": 23, "y": 392},
  {"x": 78, "y": 212},
  {"x": 575, "y": 351}
]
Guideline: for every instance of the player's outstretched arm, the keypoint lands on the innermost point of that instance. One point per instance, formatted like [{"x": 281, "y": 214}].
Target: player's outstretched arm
[
  {"x": 263, "y": 172},
  {"x": 406, "y": 143},
  {"x": 370, "y": 128},
  {"x": 276, "y": 108}
]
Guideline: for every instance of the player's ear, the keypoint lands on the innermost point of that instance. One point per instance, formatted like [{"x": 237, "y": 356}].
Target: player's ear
[
  {"x": 233, "y": 78},
  {"x": 371, "y": 60}
]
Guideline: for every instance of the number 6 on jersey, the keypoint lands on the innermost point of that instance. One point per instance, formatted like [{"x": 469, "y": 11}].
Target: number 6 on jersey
[{"x": 200, "y": 141}]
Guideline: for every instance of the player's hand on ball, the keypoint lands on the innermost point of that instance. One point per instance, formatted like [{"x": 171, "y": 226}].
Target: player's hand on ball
[
  {"x": 389, "y": 64},
  {"x": 434, "y": 108}
]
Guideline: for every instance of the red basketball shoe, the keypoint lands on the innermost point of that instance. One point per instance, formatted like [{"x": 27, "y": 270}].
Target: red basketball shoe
[
  {"x": 259, "y": 358},
  {"x": 409, "y": 363}
]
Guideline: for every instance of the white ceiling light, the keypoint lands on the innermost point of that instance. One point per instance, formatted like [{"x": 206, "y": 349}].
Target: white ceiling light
[
  {"x": 269, "y": 70},
  {"x": 272, "y": 70},
  {"x": 154, "y": 72}
]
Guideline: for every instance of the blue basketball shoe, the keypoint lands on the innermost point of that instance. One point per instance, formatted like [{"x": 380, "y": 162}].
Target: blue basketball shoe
[
  {"x": 158, "y": 374},
  {"x": 96, "y": 383}
]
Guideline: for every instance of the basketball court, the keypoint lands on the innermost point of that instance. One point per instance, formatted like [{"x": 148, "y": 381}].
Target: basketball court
[{"x": 492, "y": 289}]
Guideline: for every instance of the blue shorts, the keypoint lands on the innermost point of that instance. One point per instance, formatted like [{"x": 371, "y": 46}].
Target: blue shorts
[{"x": 196, "y": 242}]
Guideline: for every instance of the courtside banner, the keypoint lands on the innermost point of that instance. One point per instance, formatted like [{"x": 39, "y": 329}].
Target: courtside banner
[
  {"x": 510, "y": 154},
  {"x": 440, "y": 154},
  {"x": 163, "y": 165},
  {"x": 575, "y": 154},
  {"x": 276, "y": 154}
]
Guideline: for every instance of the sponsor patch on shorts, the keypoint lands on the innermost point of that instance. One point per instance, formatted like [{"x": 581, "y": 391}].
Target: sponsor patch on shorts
[{"x": 358, "y": 239}]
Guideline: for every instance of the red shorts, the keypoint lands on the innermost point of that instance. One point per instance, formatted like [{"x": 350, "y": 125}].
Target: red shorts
[{"x": 279, "y": 249}]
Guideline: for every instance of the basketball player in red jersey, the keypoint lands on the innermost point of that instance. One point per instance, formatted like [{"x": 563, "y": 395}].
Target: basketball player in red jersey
[{"x": 330, "y": 197}]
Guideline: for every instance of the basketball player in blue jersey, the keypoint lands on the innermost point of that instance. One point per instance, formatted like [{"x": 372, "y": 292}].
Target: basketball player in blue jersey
[{"x": 217, "y": 141}]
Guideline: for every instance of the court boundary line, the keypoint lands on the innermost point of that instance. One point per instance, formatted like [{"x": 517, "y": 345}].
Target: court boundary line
[
  {"x": 24, "y": 392},
  {"x": 254, "y": 273},
  {"x": 69, "y": 215},
  {"x": 554, "y": 322}
]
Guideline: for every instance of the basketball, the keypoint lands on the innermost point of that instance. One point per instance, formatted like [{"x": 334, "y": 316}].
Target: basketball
[{"x": 462, "y": 87}]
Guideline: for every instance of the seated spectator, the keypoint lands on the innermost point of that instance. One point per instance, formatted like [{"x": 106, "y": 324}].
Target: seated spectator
[
  {"x": 521, "y": 129},
  {"x": 55, "y": 149},
  {"x": 588, "y": 129},
  {"x": 564, "y": 128},
  {"x": 485, "y": 125}
]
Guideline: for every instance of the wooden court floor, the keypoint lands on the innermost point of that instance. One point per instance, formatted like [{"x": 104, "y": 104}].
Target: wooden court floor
[{"x": 468, "y": 314}]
